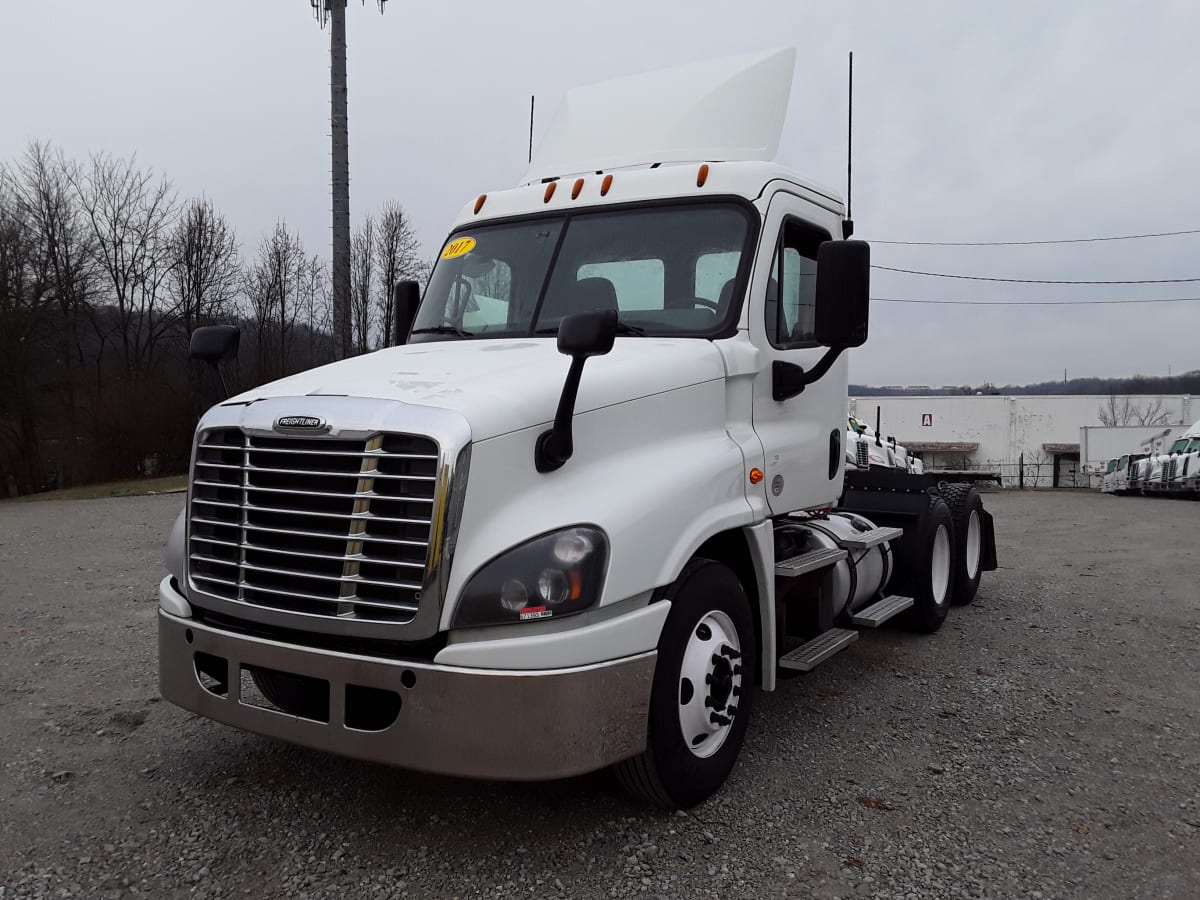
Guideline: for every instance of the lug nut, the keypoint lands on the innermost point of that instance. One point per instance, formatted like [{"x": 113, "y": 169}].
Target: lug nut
[
  {"x": 730, "y": 652},
  {"x": 718, "y": 719}
]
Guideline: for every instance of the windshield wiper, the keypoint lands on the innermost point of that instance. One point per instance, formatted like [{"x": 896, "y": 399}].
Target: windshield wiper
[
  {"x": 443, "y": 329},
  {"x": 622, "y": 328}
]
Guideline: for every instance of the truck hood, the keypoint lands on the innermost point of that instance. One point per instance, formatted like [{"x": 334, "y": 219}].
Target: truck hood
[{"x": 504, "y": 385}]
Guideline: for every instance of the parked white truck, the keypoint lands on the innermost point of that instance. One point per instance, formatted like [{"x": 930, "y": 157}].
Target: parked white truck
[{"x": 596, "y": 499}]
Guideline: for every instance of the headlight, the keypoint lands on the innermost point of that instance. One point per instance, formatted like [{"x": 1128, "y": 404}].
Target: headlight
[{"x": 554, "y": 575}]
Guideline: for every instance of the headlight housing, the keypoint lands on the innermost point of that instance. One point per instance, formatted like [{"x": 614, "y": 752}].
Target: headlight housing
[{"x": 555, "y": 575}]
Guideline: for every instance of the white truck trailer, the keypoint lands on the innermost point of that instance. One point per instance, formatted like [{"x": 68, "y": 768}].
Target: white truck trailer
[{"x": 598, "y": 496}]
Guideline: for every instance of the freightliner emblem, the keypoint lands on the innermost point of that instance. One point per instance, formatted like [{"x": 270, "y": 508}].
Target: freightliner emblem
[{"x": 301, "y": 424}]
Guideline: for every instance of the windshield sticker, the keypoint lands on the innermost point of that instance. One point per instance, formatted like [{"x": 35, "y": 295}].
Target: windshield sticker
[{"x": 458, "y": 247}]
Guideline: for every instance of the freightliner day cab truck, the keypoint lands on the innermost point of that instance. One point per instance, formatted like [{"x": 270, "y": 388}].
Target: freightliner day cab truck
[{"x": 598, "y": 496}]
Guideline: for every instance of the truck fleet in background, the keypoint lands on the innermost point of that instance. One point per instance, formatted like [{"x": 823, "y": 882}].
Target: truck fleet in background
[{"x": 1175, "y": 471}]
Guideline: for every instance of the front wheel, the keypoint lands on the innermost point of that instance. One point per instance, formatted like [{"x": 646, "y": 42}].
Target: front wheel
[{"x": 703, "y": 690}]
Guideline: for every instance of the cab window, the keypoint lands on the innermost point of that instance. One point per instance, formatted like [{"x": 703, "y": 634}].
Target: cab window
[{"x": 792, "y": 290}]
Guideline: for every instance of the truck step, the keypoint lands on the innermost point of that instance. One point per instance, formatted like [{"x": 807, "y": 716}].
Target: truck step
[
  {"x": 865, "y": 540},
  {"x": 881, "y": 610},
  {"x": 808, "y": 656},
  {"x": 809, "y": 562}
]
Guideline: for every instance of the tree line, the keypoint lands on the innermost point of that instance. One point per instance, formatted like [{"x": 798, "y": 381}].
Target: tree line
[
  {"x": 1186, "y": 383},
  {"x": 105, "y": 270}
]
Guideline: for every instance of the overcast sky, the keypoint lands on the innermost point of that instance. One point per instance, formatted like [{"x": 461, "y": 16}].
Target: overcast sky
[{"x": 973, "y": 122}]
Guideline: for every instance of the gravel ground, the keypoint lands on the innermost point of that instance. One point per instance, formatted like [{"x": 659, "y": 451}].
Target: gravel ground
[{"x": 1043, "y": 744}]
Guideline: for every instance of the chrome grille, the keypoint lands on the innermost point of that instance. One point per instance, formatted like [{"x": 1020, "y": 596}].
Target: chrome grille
[
  {"x": 1169, "y": 470},
  {"x": 313, "y": 525},
  {"x": 862, "y": 454}
]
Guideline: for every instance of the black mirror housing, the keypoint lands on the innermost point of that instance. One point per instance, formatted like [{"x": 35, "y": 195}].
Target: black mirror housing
[
  {"x": 406, "y": 298},
  {"x": 580, "y": 336},
  {"x": 215, "y": 343},
  {"x": 843, "y": 295},
  {"x": 588, "y": 333}
]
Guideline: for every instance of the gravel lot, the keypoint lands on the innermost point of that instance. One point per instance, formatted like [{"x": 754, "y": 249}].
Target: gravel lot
[{"x": 1043, "y": 744}]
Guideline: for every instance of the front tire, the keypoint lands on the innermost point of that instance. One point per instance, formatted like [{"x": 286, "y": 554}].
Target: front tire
[{"x": 702, "y": 693}]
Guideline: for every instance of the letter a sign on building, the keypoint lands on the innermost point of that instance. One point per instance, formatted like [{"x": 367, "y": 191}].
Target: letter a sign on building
[{"x": 926, "y": 418}]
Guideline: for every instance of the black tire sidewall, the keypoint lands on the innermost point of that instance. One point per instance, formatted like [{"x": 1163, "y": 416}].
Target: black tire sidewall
[
  {"x": 963, "y": 499},
  {"x": 914, "y": 568},
  {"x": 704, "y": 586}
]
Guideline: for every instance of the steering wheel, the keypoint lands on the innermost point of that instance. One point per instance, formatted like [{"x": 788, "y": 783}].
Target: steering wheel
[{"x": 705, "y": 302}]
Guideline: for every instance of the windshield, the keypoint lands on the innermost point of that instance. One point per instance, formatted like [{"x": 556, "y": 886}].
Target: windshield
[
  {"x": 1179, "y": 446},
  {"x": 672, "y": 270}
]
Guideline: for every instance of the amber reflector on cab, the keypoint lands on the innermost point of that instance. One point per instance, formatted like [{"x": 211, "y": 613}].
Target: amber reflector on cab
[{"x": 756, "y": 476}]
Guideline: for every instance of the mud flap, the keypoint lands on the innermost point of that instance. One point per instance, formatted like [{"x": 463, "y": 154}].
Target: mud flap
[{"x": 987, "y": 560}]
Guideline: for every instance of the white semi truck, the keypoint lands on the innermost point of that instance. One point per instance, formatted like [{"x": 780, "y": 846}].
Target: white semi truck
[{"x": 598, "y": 496}]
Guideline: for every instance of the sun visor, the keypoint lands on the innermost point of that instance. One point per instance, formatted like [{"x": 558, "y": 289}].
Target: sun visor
[{"x": 719, "y": 110}]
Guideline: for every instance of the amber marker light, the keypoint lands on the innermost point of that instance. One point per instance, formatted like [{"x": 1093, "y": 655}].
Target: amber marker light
[
  {"x": 605, "y": 185},
  {"x": 702, "y": 175},
  {"x": 577, "y": 188},
  {"x": 756, "y": 476},
  {"x": 479, "y": 203},
  {"x": 549, "y": 191}
]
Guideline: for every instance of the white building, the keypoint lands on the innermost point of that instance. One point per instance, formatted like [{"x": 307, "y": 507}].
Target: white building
[{"x": 1004, "y": 434}]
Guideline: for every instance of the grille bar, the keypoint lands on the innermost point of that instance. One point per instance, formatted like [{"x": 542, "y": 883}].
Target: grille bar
[
  {"x": 375, "y": 454},
  {"x": 304, "y": 554},
  {"x": 314, "y": 525}
]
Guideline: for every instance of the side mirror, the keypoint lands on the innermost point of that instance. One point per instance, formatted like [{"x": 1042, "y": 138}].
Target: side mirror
[
  {"x": 213, "y": 344},
  {"x": 406, "y": 297},
  {"x": 843, "y": 299},
  {"x": 843, "y": 293},
  {"x": 580, "y": 336},
  {"x": 588, "y": 334}
]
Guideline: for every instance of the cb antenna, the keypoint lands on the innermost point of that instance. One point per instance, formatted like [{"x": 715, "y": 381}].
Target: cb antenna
[
  {"x": 531, "y": 98},
  {"x": 848, "y": 224}
]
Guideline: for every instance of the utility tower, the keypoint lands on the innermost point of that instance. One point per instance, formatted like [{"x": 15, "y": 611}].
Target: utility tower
[{"x": 333, "y": 14}]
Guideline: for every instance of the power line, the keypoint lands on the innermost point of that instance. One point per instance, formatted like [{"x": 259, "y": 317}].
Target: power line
[
  {"x": 1088, "y": 240},
  {"x": 1038, "y": 302},
  {"x": 1034, "y": 280}
]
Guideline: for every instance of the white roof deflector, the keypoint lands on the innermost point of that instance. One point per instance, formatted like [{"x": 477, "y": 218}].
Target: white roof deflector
[{"x": 719, "y": 110}]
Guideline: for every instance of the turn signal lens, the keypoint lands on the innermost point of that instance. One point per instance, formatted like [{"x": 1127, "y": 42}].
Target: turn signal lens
[
  {"x": 702, "y": 175},
  {"x": 549, "y": 191},
  {"x": 605, "y": 185},
  {"x": 577, "y": 188},
  {"x": 479, "y": 203},
  {"x": 756, "y": 476}
]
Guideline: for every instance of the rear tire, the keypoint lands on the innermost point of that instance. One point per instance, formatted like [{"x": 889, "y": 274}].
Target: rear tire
[
  {"x": 925, "y": 563},
  {"x": 966, "y": 509},
  {"x": 703, "y": 690}
]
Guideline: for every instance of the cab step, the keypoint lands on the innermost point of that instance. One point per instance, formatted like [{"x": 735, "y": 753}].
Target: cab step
[
  {"x": 865, "y": 540},
  {"x": 811, "y": 561},
  {"x": 808, "y": 656},
  {"x": 881, "y": 610}
]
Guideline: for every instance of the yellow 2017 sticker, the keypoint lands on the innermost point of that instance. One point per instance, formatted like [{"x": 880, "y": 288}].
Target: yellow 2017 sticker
[{"x": 458, "y": 247}]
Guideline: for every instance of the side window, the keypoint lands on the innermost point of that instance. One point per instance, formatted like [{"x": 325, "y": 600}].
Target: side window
[
  {"x": 640, "y": 284},
  {"x": 791, "y": 293},
  {"x": 485, "y": 289}
]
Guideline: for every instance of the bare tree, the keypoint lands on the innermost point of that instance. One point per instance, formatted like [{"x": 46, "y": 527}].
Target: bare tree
[
  {"x": 41, "y": 184},
  {"x": 1152, "y": 413},
  {"x": 1116, "y": 412},
  {"x": 131, "y": 216},
  {"x": 271, "y": 288},
  {"x": 315, "y": 310},
  {"x": 362, "y": 285},
  {"x": 205, "y": 276},
  {"x": 25, "y": 299},
  {"x": 1035, "y": 461},
  {"x": 398, "y": 255}
]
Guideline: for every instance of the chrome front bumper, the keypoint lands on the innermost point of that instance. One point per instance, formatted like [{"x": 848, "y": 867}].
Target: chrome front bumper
[{"x": 511, "y": 725}]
